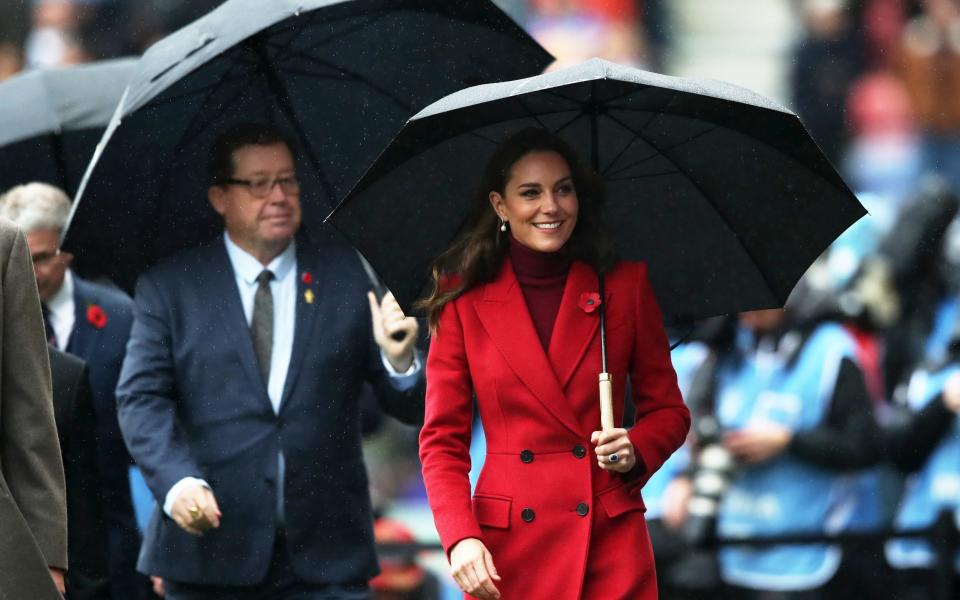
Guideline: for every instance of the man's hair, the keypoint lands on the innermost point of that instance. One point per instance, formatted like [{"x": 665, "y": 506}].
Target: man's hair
[
  {"x": 35, "y": 206},
  {"x": 221, "y": 167}
]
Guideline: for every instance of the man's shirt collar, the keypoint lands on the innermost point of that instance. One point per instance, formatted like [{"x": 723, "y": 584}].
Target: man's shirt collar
[
  {"x": 249, "y": 268},
  {"x": 61, "y": 303}
]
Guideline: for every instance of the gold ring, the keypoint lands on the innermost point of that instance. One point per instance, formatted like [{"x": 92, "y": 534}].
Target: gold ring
[{"x": 194, "y": 512}]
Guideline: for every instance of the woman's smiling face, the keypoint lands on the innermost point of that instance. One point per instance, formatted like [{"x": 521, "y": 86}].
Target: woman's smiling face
[{"x": 539, "y": 201}]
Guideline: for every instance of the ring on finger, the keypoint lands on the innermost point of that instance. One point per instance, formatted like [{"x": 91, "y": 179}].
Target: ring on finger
[
  {"x": 613, "y": 458},
  {"x": 194, "y": 512}
]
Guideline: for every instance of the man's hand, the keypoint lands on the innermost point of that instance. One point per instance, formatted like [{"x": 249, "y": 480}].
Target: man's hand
[
  {"x": 471, "y": 565},
  {"x": 57, "y": 576},
  {"x": 610, "y": 442},
  {"x": 388, "y": 319},
  {"x": 951, "y": 393},
  {"x": 752, "y": 446},
  {"x": 195, "y": 510},
  {"x": 676, "y": 498}
]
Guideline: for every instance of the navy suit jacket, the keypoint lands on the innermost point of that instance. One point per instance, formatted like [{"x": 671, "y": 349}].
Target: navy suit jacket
[
  {"x": 102, "y": 347},
  {"x": 192, "y": 402}
]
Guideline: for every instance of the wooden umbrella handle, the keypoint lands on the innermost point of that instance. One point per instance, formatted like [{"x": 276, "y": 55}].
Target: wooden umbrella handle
[{"x": 606, "y": 401}]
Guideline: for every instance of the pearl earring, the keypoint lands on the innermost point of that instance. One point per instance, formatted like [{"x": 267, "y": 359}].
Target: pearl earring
[{"x": 503, "y": 225}]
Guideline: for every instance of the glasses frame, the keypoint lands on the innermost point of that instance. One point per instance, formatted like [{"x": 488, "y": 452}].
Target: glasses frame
[{"x": 290, "y": 185}]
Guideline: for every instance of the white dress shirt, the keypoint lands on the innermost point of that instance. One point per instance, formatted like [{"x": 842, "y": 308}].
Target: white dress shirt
[{"x": 63, "y": 311}]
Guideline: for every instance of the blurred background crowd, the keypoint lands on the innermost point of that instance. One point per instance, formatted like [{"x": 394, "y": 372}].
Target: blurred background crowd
[{"x": 877, "y": 82}]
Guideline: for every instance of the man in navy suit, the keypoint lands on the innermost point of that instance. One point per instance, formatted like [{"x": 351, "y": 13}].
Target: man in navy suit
[
  {"x": 91, "y": 321},
  {"x": 238, "y": 395}
]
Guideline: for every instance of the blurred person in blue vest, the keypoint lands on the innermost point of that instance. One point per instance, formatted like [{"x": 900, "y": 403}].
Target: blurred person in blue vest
[
  {"x": 797, "y": 418},
  {"x": 91, "y": 321},
  {"x": 926, "y": 445}
]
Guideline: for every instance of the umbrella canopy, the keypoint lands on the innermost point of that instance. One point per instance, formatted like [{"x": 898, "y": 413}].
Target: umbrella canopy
[
  {"x": 721, "y": 191},
  {"x": 341, "y": 75},
  {"x": 51, "y": 120}
]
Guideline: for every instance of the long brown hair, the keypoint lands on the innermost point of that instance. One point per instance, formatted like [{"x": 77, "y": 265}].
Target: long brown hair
[{"x": 478, "y": 252}]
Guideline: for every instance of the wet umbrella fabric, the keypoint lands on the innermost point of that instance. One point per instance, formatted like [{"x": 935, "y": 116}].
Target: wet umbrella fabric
[
  {"x": 341, "y": 75},
  {"x": 721, "y": 191},
  {"x": 52, "y": 119}
]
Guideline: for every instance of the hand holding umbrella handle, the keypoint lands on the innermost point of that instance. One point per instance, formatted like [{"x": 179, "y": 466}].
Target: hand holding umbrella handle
[
  {"x": 606, "y": 401},
  {"x": 379, "y": 290}
]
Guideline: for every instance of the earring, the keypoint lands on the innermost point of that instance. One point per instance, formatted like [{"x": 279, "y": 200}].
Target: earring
[{"x": 503, "y": 225}]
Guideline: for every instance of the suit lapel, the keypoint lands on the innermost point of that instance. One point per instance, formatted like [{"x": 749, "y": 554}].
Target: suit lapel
[
  {"x": 307, "y": 299},
  {"x": 83, "y": 334},
  {"x": 574, "y": 329},
  {"x": 231, "y": 313},
  {"x": 503, "y": 312}
]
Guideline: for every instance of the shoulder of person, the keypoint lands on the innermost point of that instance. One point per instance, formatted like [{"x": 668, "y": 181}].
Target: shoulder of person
[
  {"x": 105, "y": 294},
  {"x": 8, "y": 233},
  {"x": 188, "y": 265}
]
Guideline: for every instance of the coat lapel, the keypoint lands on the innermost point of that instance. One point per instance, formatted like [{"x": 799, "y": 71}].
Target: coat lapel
[
  {"x": 574, "y": 329},
  {"x": 308, "y": 298},
  {"x": 231, "y": 312},
  {"x": 84, "y": 334},
  {"x": 504, "y": 315}
]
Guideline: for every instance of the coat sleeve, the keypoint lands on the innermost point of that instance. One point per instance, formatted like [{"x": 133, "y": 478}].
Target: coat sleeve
[
  {"x": 147, "y": 396},
  {"x": 32, "y": 464},
  {"x": 445, "y": 436},
  {"x": 662, "y": 419}
]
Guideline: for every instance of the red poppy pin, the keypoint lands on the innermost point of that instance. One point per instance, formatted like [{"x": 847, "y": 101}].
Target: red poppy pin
[
  {"x": 589, "y": 302},
  {"x": 96, "y": 316},
  {"x": 306, "y": 277}
]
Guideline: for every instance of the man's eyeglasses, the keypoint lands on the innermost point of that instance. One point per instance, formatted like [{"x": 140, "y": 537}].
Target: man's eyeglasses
[
  {"x": 261, "y": 188},
  {"x": 43, "y": 259}
]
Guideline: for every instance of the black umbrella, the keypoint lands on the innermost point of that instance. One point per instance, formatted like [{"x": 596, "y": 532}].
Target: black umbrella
[
  {"x": 721, "y": 191},
  {"x": 52, "y": 119},
  {"x": 342, "y": 75}
]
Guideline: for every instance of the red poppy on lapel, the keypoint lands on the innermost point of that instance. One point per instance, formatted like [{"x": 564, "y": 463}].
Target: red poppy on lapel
[
  {"x": 589, "y": 302},
  {"x": 306, "y": 277},
  {"x": 96, "y": 316}
]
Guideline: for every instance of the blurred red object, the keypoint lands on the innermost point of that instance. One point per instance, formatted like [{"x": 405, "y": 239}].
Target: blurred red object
[
  {"x": 611, "y": 10},
  {"x": 399, "y": 572},
  {"x": 878, "y": 103}
]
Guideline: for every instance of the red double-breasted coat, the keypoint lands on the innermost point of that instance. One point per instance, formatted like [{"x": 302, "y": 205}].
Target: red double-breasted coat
[{"x": 557, "y": 525}]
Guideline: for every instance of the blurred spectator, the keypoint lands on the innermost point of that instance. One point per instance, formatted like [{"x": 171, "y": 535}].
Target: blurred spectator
[
  {"x": 926, "y": 444},
  {"x": 575, "y": 30},
  {"x": 400, "y": 577},
  {"x": 929, "y": 64},
  {"x": 794, "y": 414},
  {"x": 884, "y": 157},
  {"x": 87, "y": 573},
  {"x": 92, "y": 321},
  {"x": 828, "y": 57}
]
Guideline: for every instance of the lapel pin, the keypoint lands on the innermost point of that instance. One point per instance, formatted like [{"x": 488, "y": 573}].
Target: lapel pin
[{"x": 308, "y": 296}]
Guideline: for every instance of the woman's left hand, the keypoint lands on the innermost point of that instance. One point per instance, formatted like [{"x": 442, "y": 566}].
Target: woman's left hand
[{"x": 610, "y": 442}]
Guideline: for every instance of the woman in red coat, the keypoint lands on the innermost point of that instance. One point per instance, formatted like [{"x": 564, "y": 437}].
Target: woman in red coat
[{"x": 557, "y": 512}]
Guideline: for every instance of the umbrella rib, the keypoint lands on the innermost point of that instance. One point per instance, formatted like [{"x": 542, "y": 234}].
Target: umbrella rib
[
  {"x": 625, "y": 148},
  {"x": 706, "y": 197},
  {"x": 194, "y": 92},
  {"x": 659, "y": 153},
  {"x": 556, "y": 94},
  {"x": 350, "y": 75},
  {"x": 315, "y": 16},
  {"x": 569, "y": 123}
]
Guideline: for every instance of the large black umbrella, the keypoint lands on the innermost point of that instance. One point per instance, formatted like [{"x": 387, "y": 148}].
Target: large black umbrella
[
  {"x": 51, "y": 120},
  {"x": 341, "y": 75},
  {"x": 721, "y": 191}
]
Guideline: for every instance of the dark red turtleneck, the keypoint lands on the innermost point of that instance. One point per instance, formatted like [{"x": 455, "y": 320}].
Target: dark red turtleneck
[{"x": 542, "y": 276}]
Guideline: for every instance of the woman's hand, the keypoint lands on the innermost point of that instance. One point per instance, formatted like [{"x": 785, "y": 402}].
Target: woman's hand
[
  {"x": 610, "y": 442},
  {"x": 471, "y": 565}
]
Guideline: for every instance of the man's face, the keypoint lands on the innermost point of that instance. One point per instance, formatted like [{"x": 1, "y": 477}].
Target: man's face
[
  {"x": 256, "y": 223},
  {"x": 48, "y": 264}
]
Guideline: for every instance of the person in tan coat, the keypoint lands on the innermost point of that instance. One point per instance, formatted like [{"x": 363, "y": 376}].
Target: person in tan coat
[{"x": 33, "y": 514}]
